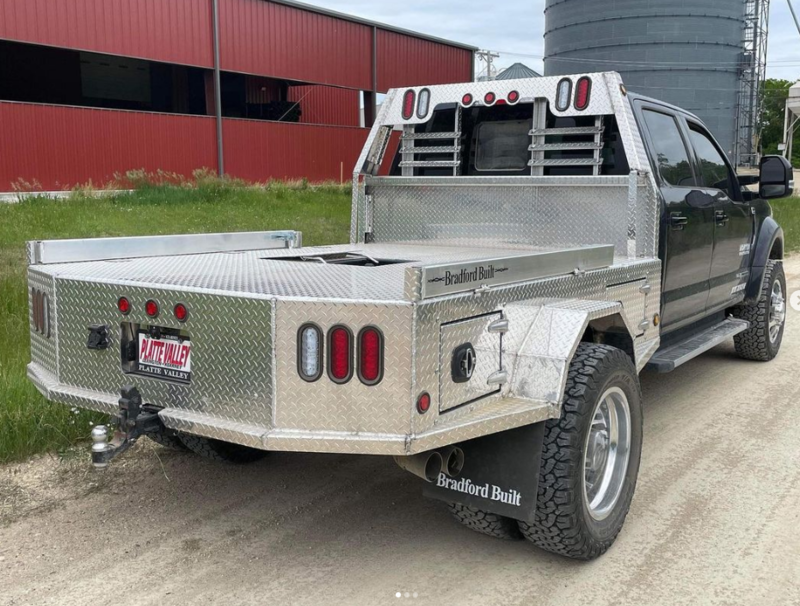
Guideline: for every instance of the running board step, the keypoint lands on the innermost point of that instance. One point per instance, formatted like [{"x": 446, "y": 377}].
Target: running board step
[{"x": 669, "y": 358}]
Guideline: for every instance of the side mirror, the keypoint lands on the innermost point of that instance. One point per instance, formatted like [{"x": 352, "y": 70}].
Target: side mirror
[{"x": 776, "y": 177}]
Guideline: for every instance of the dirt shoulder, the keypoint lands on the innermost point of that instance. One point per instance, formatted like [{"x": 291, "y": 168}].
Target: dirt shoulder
[{"x": 715, "y": 518}]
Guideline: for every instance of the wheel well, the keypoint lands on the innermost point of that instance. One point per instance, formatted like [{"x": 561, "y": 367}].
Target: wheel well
[
  {"x": 612, "y": 331},
  {"x": 776, "y": 253}
]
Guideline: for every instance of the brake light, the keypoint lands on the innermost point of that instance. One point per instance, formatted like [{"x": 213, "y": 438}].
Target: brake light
[
  {"x": 424, "y": 103},
  {"x": 340, "y": 354},
  {"x": 467, "y": 100},
  {"x": 513, "y": 97},
  {"x": 370, "y": 356},
  {"x": 490, "y": 99},
  {"x": 309, "y": 352},
  {"x": 181, "y": 312},
  {"x": 151, "y": 308},
  {"x": 563, "y": 94},
  {"x": 124, "y": 306},
  {"x": 583, "y": 92},
  {"x": 409, "y": 101}
]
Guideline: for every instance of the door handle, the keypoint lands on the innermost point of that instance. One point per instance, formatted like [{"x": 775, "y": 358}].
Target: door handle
[
  {"x": 722, "y": 218},
  {"x": 678, "y": 221}
]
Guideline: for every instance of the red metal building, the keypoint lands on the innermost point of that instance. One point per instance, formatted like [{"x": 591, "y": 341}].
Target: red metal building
[{"x": 90, "y": 88}]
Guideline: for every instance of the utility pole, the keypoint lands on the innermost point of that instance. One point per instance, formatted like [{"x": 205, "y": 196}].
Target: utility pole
[
  {"x": 794, "y": 14},
  {"x": 487, "y": 57}
]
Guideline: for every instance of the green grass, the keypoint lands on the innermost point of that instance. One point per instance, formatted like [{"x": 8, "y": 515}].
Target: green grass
[{"x": 28, "y": 423}]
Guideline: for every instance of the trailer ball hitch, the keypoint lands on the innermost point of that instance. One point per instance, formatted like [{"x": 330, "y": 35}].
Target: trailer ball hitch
[{"x": 133, "y": 420}]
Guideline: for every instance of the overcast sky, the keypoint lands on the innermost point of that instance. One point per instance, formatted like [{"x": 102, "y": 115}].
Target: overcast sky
[{"x": 516, "y": 28}]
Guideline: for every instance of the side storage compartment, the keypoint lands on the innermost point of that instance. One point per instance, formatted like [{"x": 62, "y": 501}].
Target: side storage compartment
[{"x": 469, "y": 354}]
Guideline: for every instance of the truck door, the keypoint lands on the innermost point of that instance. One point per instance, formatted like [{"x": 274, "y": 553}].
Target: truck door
[
  {"x": 733, "y": 224},
  {"x": 687, "y": 224}
]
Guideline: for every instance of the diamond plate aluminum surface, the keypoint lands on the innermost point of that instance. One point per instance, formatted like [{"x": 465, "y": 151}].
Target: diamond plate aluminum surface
[
  {"x": 44, "y": 350},
  {"x": 231, "y": 348}
]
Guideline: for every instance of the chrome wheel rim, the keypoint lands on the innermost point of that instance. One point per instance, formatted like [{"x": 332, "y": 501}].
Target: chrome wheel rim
[
  {"x": 607, "y": 452},
  {"x": 777, "y": 312}
]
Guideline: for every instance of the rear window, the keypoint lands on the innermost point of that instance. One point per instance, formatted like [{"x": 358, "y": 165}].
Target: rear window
[{"x": 503, "y": 145}]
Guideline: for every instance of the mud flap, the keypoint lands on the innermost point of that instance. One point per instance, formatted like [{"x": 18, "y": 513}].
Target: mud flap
[{"x": 500, "y": 475}]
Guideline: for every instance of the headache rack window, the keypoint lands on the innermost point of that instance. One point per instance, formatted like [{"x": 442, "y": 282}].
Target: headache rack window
[{"x": 510, "y": 140}]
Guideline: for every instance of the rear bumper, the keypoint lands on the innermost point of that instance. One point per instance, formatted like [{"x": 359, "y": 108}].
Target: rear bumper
[{"x": 493, "y": 416}]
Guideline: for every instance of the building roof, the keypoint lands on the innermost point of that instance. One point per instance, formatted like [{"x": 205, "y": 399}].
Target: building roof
[
  {"x": 344, "y": 16},
  {"x": 517, "y": 72}
]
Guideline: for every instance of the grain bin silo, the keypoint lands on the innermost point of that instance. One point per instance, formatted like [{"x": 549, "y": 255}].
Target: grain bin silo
[{"x": 692, "y": 53}]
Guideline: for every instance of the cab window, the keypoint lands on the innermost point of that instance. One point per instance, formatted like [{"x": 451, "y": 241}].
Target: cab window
[
  {"x": 714, "y": 171},
  {"x": 672, "y": 158}
]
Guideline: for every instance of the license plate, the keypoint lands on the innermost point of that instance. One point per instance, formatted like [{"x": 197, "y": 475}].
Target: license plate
[{"x": 167, "y": 357}]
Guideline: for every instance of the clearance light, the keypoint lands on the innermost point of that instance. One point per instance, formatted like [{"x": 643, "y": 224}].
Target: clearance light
[
  {"x": 424, "y": 403},
  {"x": 513, "y": 97},
  {"x": 467, "y": 100},
  {"x": 409, "y": 101},
  {"x": 340, "y": 354},
  {"x": 370, "y": 356},
  {"x": 124, "y": 306},
  {"x": 564, "y": 95},
  {"x": 424, "y": 103},
  {"x": 309, "y": 352},
  {"x": 490, "y": 99},
  {"x": 583, "y": 93},
  {"x": 181, "y": 312},
  {"x": 151, "y": 308}
]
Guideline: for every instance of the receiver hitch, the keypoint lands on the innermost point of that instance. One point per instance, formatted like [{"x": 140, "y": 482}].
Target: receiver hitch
[{"x": 133, "y": 420}]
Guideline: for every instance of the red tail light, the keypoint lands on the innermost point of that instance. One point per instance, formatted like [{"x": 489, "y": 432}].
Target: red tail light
[
  {"x": 124, "y": 306},
  {"x": 513, "y": 97},
  {"x": 370, "y": 356},
  {"x": 409, "y": 102},
  {"x": 181, "y": 312},
  {"x": 340, "y": 354},
  {"x": 583, "y": 92},
  {"x": 490, "y": 98},
  {"x": 467, "y": 100},
  {"x": 151, "y": 308}
]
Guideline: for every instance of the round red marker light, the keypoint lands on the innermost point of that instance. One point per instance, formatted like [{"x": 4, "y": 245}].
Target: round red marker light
[
  {"x": 424, "y": 403},
  {"x": 513, "y": 96},
  {"x": 490, "y": 98},
  {"x": 151, "y": 308},
  {"x": 181, "y": 312},
  {"x": 124, "y": 306},
  {"x": 467, "y": 99}
]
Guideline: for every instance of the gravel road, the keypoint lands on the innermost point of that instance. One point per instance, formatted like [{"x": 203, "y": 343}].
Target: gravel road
[{"x": 716, "y": 518}]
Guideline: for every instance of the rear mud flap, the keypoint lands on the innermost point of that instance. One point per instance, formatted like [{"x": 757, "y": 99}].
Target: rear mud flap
[{"x": 500, "y": 474}]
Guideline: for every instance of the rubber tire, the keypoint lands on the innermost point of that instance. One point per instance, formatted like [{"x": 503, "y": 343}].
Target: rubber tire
[
  {"x": 168, "y": 440},
  {"x": 490, "y": 524},
  {"x": 754, "y": 343},
  {"x": 222, "y": 452},
  {"x": 562, "y": 523}
]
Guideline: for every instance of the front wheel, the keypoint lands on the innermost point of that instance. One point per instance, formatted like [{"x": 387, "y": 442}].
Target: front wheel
[
  {"x": 590, "y": 458},
  {"x": 762, "y": 341}
]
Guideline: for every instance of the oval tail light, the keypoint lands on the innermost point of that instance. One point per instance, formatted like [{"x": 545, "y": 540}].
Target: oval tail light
[
  {"x": 490, "y": 99},
  {"x": 424, "y": 103},
  {"x": 309, "y": 352},
  {"x": 564, "y": 95},
  {"x": 181, "y": 312},
  {"x": 583, "y": 93},
  {"x": 370, "y": 356},
  {"x": 409, "y": 103},
  {"x": 513, "y": 97},
  {"x": 467, "y": 100},
  {"x": 124, "y": 306},
  {"x": 424, "y": 403},
  {"x": 340, "y": 354}
]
